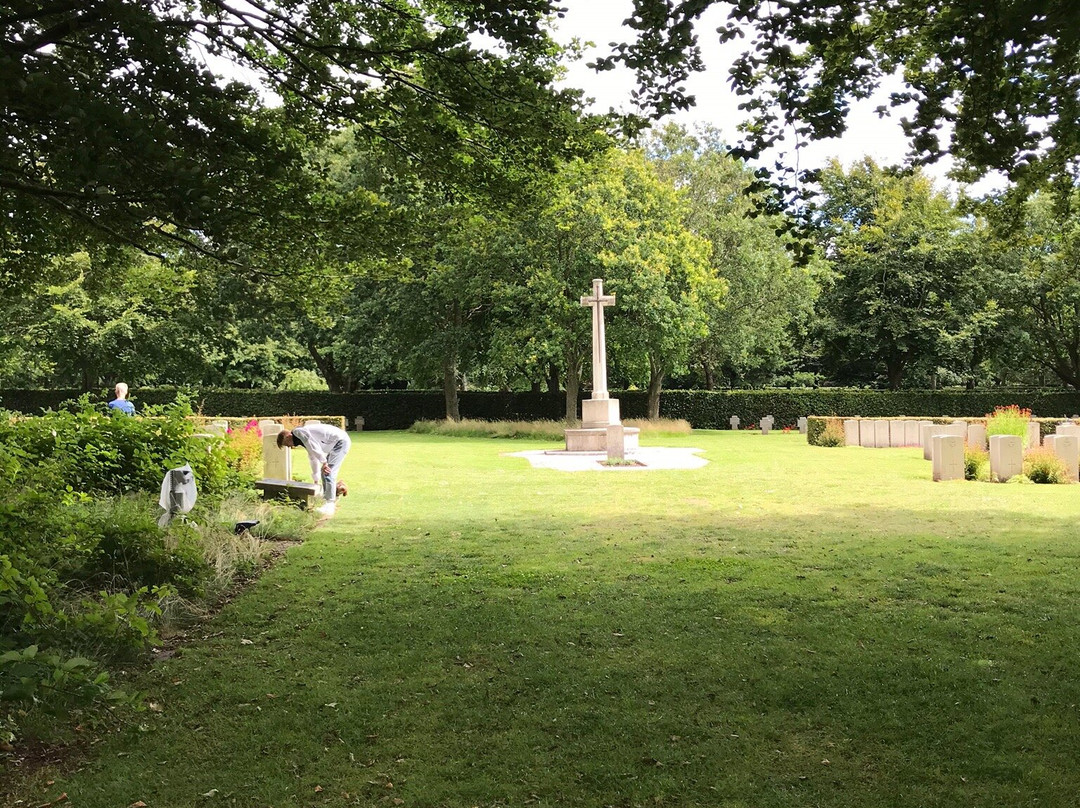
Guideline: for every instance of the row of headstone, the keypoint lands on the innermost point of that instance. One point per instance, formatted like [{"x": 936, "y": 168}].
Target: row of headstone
[{"x": 767, "y": 423}]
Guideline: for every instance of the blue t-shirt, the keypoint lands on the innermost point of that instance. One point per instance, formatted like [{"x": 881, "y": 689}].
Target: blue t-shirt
[{"x": 123, "y": 405}]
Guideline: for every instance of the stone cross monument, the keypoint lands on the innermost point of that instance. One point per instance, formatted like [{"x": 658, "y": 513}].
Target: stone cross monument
[
  {"x": 599, "y": 345},
  {"x": 599, "y": 410}
]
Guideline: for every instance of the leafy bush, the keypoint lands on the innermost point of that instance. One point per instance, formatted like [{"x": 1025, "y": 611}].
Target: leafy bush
[
  {"x": 89, "y": 450},
  {"x": 976, "y": 464},
  {"x": 1044, "y": 467},
  {"x": 1010, "y": 420},
  {"x": 244, "y": 445}
]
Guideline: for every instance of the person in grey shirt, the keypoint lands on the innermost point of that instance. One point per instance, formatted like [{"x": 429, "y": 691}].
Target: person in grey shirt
[{"x": 326, "y": 449}]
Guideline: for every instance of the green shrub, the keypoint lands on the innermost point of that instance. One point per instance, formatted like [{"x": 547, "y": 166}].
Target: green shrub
[
  {"x": 976, "y": 464},
  {"x": 89, "y": 450},
  {"x": 1044, "y": 467}
]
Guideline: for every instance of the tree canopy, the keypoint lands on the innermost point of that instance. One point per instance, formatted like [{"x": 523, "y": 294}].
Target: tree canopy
[
  {"x": 117, "y": 125},
  {"x": 1004, "y": 75}
]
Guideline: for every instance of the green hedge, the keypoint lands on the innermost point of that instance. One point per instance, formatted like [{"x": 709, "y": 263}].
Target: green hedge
[{"x": 399, "y": 409}]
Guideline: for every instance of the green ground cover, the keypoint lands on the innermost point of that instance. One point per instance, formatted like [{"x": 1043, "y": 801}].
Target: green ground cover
[{"x": 787, "y": 626}]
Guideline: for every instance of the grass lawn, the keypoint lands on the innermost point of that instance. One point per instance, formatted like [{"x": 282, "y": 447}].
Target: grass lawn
[{"x": 787, "y": 626}]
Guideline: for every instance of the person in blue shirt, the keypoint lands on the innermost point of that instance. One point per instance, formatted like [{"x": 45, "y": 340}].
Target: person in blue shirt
[{"x": 120, "y": 402}]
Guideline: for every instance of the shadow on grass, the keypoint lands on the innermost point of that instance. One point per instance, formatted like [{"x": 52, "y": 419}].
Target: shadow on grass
[{"x": 871, "y": 657}]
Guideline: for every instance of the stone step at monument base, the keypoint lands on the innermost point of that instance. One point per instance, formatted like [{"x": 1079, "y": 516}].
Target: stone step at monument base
[
  {"x": 302, "y": 493},
  {"x": 595, "y": 440}
]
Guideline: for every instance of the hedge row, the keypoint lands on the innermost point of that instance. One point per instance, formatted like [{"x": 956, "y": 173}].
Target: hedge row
[{"x": 704, "y": 409}]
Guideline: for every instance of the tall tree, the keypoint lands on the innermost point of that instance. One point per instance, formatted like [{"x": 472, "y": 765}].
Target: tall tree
[
  {"x": 905, "y": 265},
  {"x": 1039, "y": 283},
  {"x": 766, "y": 293},
  {"x": 609, "y": 218}
]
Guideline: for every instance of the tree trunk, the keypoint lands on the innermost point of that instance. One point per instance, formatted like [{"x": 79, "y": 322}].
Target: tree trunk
[
  {"x": 709, "y": 374},
  {"x": 573, "y": 384},
  {"x": 553, "y": 378},
  {"x": 450, "y": 389},
  {"x": 325, "y": 365},
  {"x": 656, "y": 383},
  {"x": 894, "y": 369}
]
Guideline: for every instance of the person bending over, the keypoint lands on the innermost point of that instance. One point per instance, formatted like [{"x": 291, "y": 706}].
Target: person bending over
[
  {"x": 120, "y": 403},
  {"x": 326, "y": 449}
]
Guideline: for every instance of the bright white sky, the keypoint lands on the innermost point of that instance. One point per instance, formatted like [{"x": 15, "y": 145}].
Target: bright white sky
[{"x": 600, "y": 22}]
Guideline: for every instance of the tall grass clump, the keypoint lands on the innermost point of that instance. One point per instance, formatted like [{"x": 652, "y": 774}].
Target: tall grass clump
[
  {"x": 1011, "y": 420},
  {"x": 476, "y": 428},
  {"x": 976, "y": 464},
  {"x": 660, "y": 426},
  {"x": 833, "y": 434},
  {"x": 1044, "y": 467}
]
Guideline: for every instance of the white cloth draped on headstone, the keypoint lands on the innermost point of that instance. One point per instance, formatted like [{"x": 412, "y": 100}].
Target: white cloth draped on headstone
[{"x": 177, "y": 493}]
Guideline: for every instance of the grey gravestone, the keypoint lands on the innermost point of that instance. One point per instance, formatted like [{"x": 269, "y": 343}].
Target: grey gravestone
[
  {"x": 734, "y": 421},
  {"x": 802, "y": 425},
  {"x": 358, "y": 422}
]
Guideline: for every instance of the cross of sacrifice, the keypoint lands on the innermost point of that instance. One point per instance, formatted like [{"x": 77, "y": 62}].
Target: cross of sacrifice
[{"x": 599, "y": 353}]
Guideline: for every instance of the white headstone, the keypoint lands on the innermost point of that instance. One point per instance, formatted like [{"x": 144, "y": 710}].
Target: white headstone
[
  {"x": 896, "y": 433},
  {"x": 881, "y": 434},
  {"x": 766, "y": 425},
  {"x": 911, "y": 433},
  {"x": 734, "y": 421},
  {"x": 277, "y": 463},
  {"x": 976, "y": 435},
  {"x": 925, "y": 433},
  {"x": 1006, "y": 457},
  {"x": 851, "y": 432},
  {"x": 1034, "y": 435},
  {"x": 948, "y": 453},
  {"x": 1067, "y": 429},
  {"x": 1067, "y": 447},
  {"x": 867, "y": 433},
  {"x": 802, "y": 425}
]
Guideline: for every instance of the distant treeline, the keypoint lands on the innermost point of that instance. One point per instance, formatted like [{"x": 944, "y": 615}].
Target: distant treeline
[{"x": 704, "y": 409}]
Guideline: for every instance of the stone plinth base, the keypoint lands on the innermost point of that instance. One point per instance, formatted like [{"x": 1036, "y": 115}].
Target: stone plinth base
[
  {"x": 595, "y": 440},
  {"x": 597, "y": 413},
  {"x": 302, "y": 493}
]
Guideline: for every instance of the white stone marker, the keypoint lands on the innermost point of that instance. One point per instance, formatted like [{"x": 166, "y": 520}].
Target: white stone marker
[
  {"x": 734, "y": 421},
  {"x": 616, "y": 442},
  {"x": 599, "y": 410},
  {"x": 1006, "y": 457},
  {"x": 1067, "y": 447},
  {"x": 925, "y": 433},
  {"x": 277, "y": 463},
  {"x": 802, "y": 425},
  {"x": 896, "y": 433},
  {"x": 881, "y": 434},
  {"x": 976, "y": 435},
  {"x": 1034, "y": 435},
  {"x": 851, "y": 432},
  {"x": 948, "y": 453},
  {"x": 1067, "y": 429},
  {"x": 867, "y": 433},
  {"x": 911, "y": 433}
]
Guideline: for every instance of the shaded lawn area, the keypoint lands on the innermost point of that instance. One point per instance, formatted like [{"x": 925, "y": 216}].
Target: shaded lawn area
[{"x": 788, "y": 626}]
